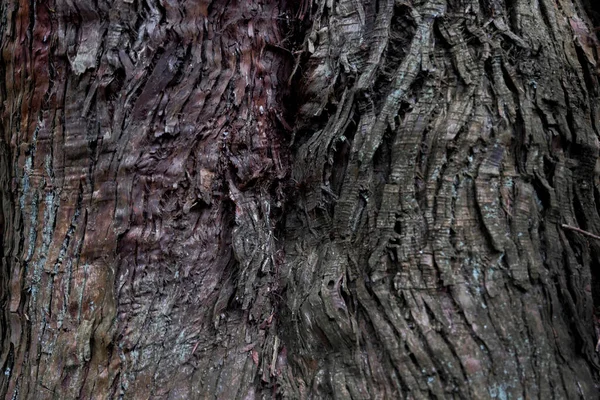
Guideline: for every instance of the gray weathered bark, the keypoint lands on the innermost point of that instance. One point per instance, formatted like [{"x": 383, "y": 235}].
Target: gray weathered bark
[{"x": 344, "y": 199}]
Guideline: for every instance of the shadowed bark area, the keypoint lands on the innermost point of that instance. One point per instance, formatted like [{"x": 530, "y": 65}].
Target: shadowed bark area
[
  {"x": 422, "y": 230},
  {"x": 441, "y": 146}
]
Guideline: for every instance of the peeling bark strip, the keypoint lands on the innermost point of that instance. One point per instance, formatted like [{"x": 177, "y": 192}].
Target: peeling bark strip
[
  {"x": 440, "y": 147},
  {"x": 143, "y": 161}
]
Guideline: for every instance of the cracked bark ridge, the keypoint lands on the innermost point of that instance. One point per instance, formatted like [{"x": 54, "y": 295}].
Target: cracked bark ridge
[
  {"x": 441, "y": 145},
  {"x": 142, "y": 160}
]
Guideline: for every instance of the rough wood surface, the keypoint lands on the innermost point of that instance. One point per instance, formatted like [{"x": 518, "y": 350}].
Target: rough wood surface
[
  {"x": 144, "y": 161},
  {"x": 349, "y": 199},
  {"x": 441, "y": 145}
]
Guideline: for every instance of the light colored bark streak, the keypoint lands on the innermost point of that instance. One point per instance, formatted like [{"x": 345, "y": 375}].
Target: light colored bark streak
[{"x": 586, "y": 233}]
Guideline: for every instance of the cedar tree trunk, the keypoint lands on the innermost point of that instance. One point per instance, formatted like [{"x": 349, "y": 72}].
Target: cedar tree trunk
[{"x": 257, "y": 199}]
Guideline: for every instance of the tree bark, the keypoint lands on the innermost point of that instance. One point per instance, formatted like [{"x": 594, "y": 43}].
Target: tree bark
[{"x": 345, "y": 199}]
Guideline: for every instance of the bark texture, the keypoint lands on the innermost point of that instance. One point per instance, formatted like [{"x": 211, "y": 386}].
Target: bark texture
[
  {"x": 441, "y": 146},
  {"x": 141, "y": 170},
  {"x": 421, "y": 230}
]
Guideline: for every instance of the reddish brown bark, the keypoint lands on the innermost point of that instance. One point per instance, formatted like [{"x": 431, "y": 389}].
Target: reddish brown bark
[{"x": 145, "y": 160}]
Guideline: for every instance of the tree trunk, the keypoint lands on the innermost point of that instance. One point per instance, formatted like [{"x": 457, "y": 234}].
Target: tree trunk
[{"x": 427, "y": 227}]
